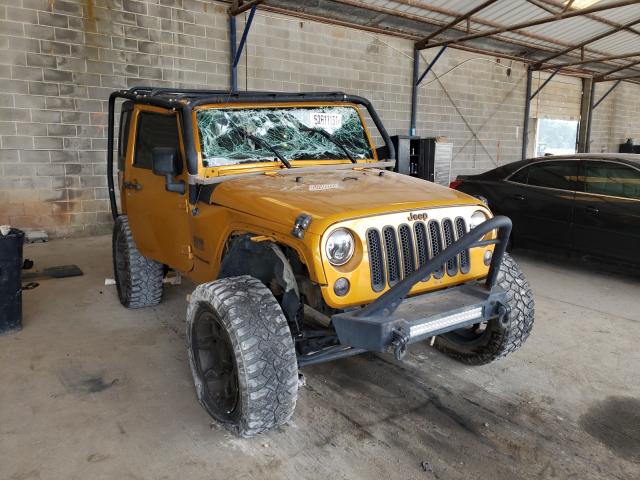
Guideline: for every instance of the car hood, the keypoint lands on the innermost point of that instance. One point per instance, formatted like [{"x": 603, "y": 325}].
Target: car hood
[{"x": 332, "y": 196}]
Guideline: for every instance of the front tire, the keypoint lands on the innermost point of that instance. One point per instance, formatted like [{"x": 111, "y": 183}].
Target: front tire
[
  {"x": 241, "y": 355},
  {"x": 486, "y": 342},
  {"x": 138, "y": 278}
]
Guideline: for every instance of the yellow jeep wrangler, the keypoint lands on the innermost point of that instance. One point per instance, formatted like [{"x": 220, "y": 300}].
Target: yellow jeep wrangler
[{"x": 304, "y": 245}]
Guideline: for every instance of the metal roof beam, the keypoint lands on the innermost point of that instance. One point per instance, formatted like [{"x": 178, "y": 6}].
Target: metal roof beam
[
  {"x": 596, "y": 18},
  {"x": 459, "y": 19},
  {"x": 543, "y": 6},
  {"x": 531, "y": 23},
  {"x": 544, "y": 84},
  {"x": 592, "y": 60},
  {"x": 616, "y": 70},
  {"x": 588, "y": 41},
  {"x": 485, "y": 48},
  {"x": 480, "y": 21},
  {"x": 237, "y": 7},
  {"x": 567, "y": 6},
  {"x": 606, "y": 94},
  {"x": 613, "y": 79}
]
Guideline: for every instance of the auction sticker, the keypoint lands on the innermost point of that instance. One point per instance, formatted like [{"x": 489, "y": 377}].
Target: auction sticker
[{"x": 326, "y": 121}]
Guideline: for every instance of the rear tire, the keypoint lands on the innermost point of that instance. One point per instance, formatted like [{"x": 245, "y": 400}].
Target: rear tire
[
  {"x": 138, "y": 278},
  {"x": 241, "y": 355},
  {"x": 484, "y": 343}
]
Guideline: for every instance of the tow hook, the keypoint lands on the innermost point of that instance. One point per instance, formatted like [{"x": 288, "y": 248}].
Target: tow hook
[
  {"x": 504, "y": 315},
  {"x": 399, "y": 343}
]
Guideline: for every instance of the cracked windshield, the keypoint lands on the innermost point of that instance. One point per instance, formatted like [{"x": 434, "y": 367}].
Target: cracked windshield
[{"x": 232, "y": 136}]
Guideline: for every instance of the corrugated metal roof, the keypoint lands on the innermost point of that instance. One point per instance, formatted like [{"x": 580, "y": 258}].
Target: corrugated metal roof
[{"x": 419, "y": 18}]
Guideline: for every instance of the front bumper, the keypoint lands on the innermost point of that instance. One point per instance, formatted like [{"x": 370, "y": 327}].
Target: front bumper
[
  {"x": 394, "y": 321},
  {"x": 421, "y": 317}
]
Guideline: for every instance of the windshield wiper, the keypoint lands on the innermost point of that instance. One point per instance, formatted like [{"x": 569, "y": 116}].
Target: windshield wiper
[
  {"x": 329, "y": 137},
  {"x": 267, "y": 145},
  {"x": 264, "y": 143}
]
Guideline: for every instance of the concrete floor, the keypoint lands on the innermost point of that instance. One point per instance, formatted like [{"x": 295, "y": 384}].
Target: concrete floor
[{"x": 91, "y": 390}]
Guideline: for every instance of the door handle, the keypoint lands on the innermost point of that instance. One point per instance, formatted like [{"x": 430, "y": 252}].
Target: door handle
[
  {"x": 592, "y": 210},
  {"x": 520, "y": 197},
  {"x": 132, "y": 185}
]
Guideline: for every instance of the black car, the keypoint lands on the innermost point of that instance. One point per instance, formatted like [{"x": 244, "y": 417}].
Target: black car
[{"x": 584, "y": 202}]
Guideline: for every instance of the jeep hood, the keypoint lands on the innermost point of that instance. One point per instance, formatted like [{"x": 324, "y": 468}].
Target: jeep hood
[{"x": 332, "y": 196}]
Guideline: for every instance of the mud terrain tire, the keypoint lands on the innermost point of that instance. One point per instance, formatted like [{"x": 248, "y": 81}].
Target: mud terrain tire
[
  {"x": 241, "y": 355},
  {"x": 475, "y": 347},
  {"x": 138, "y": 278}
]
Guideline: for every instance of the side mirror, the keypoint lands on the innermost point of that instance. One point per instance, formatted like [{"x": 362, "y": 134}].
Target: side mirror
[{"x": 166, "y": 162}]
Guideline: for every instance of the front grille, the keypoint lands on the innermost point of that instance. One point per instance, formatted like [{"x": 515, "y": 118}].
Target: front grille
[
  {"x": 436, "y": 245},
  {"x": 422, "y": 245},
  {"x": 395, "y": 253},
  {"x": 408, "y": 253},
  {"x": 378, "y": 280},
  {"x": 447, "y": 229},
  {"x": 391, "y": 254},
  {"x": 461, "y": 229}
]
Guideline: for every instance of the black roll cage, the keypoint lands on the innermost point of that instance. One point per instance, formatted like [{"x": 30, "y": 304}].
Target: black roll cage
[{"x": 185, "y": 100}]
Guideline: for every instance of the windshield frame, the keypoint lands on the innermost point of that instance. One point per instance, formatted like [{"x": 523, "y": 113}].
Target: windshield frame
[{"x": 262, "y": 165}]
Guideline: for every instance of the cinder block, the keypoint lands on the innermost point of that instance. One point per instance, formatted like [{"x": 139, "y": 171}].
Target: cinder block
[
  {"x": 53, "y": 19},
  {"x": 16, "y": 141}
]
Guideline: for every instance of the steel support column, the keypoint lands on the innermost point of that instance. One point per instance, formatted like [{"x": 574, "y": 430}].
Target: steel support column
[
  {"x": 593, "y": 105},
  {"x": 414, "y": 92},
  {"x": 527, "y": 110},
  {"x": 236, "y": 50},
  {"x": 417, "y": 80},
  {"x": 587, "y": 146},
  {"x": 586, "y": 106},
  {"x": 233, "y": 52}
]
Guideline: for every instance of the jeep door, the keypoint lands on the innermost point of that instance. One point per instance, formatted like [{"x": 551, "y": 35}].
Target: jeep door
[
  {"x": 607, "y": 213},
  {"x": 544, "y": 193},
  {"x": 159, "y": 219}
]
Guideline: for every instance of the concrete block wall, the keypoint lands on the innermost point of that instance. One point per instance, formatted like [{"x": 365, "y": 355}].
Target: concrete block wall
[
  {"x": 477, "y": 103},
  {"x": 602, "y": 134},
  {"x": 59, "y": 60},
  {"x": 616, "y": 118}
]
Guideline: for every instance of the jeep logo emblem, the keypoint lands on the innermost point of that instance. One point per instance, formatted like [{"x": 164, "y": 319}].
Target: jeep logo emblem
[{"x": 417, "y": 216}]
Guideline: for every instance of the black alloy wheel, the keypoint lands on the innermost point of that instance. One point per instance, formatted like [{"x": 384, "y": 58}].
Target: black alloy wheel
[{"x": 216, "y": 366}]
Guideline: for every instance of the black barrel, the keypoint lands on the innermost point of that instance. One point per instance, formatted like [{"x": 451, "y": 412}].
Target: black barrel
[{"x": 10, "y": 281}]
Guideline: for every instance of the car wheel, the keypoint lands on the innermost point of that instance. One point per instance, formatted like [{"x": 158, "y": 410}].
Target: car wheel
[
  {"x": 241, "y": 355},
  {"x": 484, "y": 342},
  {"x": 138, "y": 278}
]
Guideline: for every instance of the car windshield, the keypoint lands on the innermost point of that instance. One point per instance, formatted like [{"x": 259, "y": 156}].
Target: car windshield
[{"x": 225, "y": 134}]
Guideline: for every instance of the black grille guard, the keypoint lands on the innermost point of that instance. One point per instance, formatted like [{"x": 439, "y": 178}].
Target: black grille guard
[
  {"x": 387, "y": 303},
  {"x": 393, "y": 321}
]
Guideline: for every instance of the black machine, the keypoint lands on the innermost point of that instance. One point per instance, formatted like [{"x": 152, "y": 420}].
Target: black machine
[
  {"x": 415, "y": 156},
  {"x": 629, "y": 147}
]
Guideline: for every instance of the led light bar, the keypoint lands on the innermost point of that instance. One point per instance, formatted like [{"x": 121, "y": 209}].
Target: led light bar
[{"x": 448, "y": 321}]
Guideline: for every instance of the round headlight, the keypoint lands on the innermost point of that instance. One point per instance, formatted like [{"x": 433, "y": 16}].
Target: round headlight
[
  {"x": 340, "y": 246},
  {"x": 477, "y": 218}
]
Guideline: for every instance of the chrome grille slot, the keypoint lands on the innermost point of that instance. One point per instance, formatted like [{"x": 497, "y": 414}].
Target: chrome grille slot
[
  {"x": 461, "y": 229},
  {"x": 376, "y": 259},
  {"x": 422, "y": 245},
  {"x": 391, "y": 254},
  {"x": 436, "y": 245},
  {"x": 449, "y": 238},
  {"x": 407, "y": 250}
]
